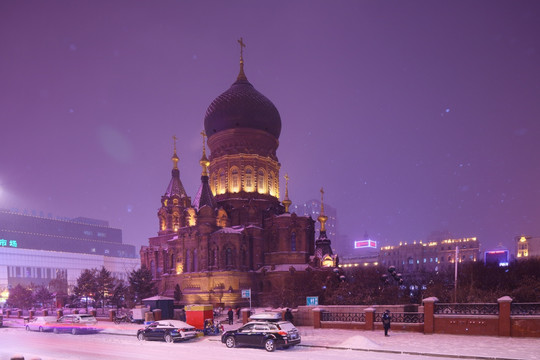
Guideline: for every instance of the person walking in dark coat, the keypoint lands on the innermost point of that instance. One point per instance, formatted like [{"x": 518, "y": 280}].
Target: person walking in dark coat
[
  {"x": 230, "y": 315},
  {"x": 238, "y": 313},
  {"x": 386, "y": 322},
  {"x": 288, "y": 315}
]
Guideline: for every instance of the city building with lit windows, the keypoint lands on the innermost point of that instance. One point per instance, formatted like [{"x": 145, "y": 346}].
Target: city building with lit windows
[
  {"x": 235, "y": 234},
  {"x": 365, "y": 253},
  {"x": 429, "y": 256},
  {"x": 527, "y": 247},
  {"x": 37, "y": 249}
]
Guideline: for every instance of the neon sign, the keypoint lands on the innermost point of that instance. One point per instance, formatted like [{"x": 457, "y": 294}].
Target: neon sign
[
  {"x": 8, "y": 243},
  {"x": 365, "y": 244}
]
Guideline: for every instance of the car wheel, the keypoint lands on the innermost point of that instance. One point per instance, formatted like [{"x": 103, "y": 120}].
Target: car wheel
[
  {"x": 230, "y": 342},
  {"x": 55, "y": 330},
  {"x": 40, "y": 329},
  {"x": 27, "y": 328},
  {"x": 140, "y": 336},
  {"x": 270, "y": 345},
  {"x": 168, "y": 338},
  {"x": 74, "y": 331}
]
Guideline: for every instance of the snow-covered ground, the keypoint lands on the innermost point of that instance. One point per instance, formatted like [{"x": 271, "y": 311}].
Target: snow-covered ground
[{"x": 342, "y": 344}]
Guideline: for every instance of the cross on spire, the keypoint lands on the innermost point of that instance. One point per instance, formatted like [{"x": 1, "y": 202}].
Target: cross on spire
[
  {"x": 174, "y": 142},
  {"x": 241, "y": 75},
  {"x": 175, "y": 157},
  {"x": 242, "y": 46},
  {"x": 203, "y": 133}
]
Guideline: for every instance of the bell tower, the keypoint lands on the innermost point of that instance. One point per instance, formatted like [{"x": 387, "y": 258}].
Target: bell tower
[{"x": 174, "y": 202}]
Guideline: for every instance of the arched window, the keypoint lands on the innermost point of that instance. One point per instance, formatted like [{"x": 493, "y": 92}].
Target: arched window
[
  {"x": 153, "y": 269},
  {"x": 228, "y": 257},
  {"x": 195, "y": 262},
  {"x": 165, "y": 265},
  {"x": 188, "y": 261},
  {"x": 176, "y": 221},
  {"x": 271, "y": 183},
  {"x": 222, "y": 181},
  {"x": 261, "y": 181},
  {"x": 293, "y": 241},
  {"x": 244, "y": 257},
  {"x": 162, "y": 223},
  {"x": 213, "y": 257},
  {"x": 173, "y": 263},
  {"x": 235, "y": 180},
  {"x": 248, "y": 180},
  {"x": 214, "y": 184}
]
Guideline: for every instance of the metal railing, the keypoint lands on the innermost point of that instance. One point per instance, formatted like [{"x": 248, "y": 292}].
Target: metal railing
[
  {"x": 408, "y": 317},
  {"x": 466, "y": 309},
  {"x": 344, "y": 317},
  {"x": 525, "y": 309}
]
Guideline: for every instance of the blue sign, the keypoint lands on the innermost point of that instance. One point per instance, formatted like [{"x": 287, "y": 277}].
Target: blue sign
[
  {"x": 9, "y": 243},
  {"x": 312, "y": 301},
  {"x": 246, "y": 294}
]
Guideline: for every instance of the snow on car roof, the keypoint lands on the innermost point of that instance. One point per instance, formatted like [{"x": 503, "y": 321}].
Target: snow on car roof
[
  {"x": 174, "y": 323},
  {"x": 266, "y": 316}
]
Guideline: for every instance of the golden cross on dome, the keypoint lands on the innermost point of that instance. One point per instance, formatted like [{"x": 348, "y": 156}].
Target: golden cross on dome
[
  {"x": 322, "y": 201},
  {"x": 174, "y": 142},
  {"x": 203, "y": 133},
  {"x": 242, "y": 46}
]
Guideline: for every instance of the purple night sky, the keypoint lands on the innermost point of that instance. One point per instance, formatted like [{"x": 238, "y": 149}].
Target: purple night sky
[{"x": 415, "y": 116}]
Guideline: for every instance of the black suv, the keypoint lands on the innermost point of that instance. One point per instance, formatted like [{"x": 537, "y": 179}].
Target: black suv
[{"x": 269, "y": 335}]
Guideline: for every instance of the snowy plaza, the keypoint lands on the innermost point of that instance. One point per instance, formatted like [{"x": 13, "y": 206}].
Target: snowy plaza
[{"x": 120, "y": 342}]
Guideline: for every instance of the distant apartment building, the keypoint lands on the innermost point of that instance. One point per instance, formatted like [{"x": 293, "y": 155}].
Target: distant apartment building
[
  {"x": 429, "y": 256},
  {"x": 527, "y": 247},
  {"x": 36, "y": 250}
]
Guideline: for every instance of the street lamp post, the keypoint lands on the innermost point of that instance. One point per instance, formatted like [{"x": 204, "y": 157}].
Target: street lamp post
[{"x": 455, "y": 273}]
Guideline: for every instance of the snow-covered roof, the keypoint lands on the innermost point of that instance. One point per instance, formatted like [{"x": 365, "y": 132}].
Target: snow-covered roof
[
  {"x": 158, "y": 297},
  {"x": 285, "y": 267},
  {"x": 230, "y": 230}
]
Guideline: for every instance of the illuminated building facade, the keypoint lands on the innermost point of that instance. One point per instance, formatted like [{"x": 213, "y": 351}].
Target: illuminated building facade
[
  {"x": 499, "y": 256},
  {"x": 235, "y": 234},
  {"x": 365, "y": 253},
  {"x": 36, "y": 249},
  {"x": 429, "y": 256},
  {"x": 527, "y": 247}
]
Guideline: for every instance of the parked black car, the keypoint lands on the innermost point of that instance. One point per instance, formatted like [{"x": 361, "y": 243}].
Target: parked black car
[
  {"x": 168, "y": 330},
  {"x": 269, "y": 335}
]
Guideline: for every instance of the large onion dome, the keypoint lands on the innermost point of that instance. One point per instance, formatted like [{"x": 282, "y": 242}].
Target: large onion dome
[{"x": 242, "y": 106}]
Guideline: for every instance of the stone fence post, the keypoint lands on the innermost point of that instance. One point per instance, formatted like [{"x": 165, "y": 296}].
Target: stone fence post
[
  {"x": 245, "y": 313},
  {"x": 316, "y": 318},
  {"x": 504, "y": 315},
  {"x": 370, "y": 318},
  {"x": 429, "y": 311}
]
